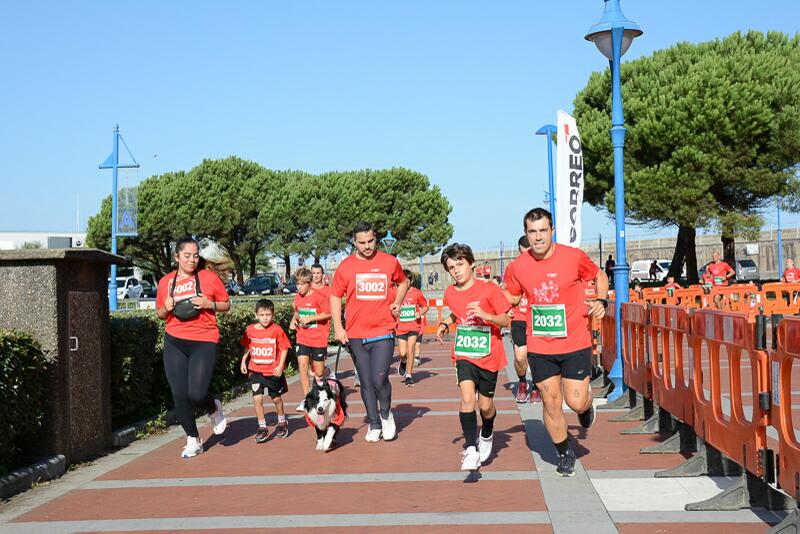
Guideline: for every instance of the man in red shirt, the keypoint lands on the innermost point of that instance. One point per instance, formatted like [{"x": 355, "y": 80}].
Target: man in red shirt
[
  {"x": 720, "y": 273},
  {"x": 318, "y": 280},
  {"x": 552, "y": 278},
  {"x": 479, "y": 310},
  {"x": 366, "y": 279},
  {"x": 792, "y": 273}
]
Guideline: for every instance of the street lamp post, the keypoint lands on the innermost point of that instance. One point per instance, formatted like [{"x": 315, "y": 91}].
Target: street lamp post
[
  {"x": 613, "y": 35},
  {"x": 548, "y": 130},
  {"x": 388, "y": 242}
]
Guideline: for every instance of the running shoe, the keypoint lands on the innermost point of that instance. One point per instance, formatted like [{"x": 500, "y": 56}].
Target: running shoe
[
  {"x": 194, "y": 446},
  {"x": 485, "y": 447},
  {"x": 408, "y": 381},
  {"x": 282, "y": 429},
  {"x": 566, "y": 464},
  {"x": 261, "y": 435},
  {"x": 388, "y": 428},
  {"x": 535, "y": 396},
  {"x": 470, "y": 459},
  {"x": 401, "y": 369},
  {"x": 331, "y": 374},
  {"x": 301, "y": 407},
  {"x": 522, "y": 392},
  {"x": 417, "y": 361},
  {"x": 373, "y": 435},
  {"x": 357, "y": 382},
  {"x": 217, "y": 419},
  {"x": 587, "y": 418}
]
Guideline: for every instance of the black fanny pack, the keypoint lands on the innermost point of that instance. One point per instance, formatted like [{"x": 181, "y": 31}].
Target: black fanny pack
[{"x": 184, "y": 310}]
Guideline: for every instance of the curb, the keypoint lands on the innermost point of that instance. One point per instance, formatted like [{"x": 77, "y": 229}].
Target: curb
[{"x": 24, "y": 478}]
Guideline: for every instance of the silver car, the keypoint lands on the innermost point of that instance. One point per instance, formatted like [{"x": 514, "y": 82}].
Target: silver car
[{"x": 746, "y": 270}]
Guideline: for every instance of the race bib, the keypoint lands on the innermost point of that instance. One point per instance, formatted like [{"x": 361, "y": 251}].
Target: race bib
[
  {"x": 473, "y": 341},
  {"x": 371, "y": 286},
  {"x": 184, "y": 289},
  {"x": 262, "y": 351},
  {"x": 548, "y": 320},
  {"x": 408, "y": 314},
  {"x": 670, "y": 291},
  {"x": 718, "y": 280},
  {"x": 307, "y": 312}
]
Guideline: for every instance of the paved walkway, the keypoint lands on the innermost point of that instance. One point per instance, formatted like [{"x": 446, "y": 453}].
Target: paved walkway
[{"x": 237, "y": 485}]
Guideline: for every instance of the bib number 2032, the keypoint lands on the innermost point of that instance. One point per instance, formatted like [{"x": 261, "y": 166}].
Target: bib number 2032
[
  {"x": 473, "y": 341},
  {"x": 548, "y": 320}
]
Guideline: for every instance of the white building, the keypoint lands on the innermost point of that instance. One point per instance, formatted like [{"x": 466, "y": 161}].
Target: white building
[{"x": 14, "y": 240}]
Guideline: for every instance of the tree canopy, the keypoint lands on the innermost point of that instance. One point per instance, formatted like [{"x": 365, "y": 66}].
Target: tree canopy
[{"x": 713, "y": 135}]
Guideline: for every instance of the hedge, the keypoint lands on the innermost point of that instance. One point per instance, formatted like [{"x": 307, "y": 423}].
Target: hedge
[
  {"x": 138, "y": 385},
  {"x": 24, "y": 371}
]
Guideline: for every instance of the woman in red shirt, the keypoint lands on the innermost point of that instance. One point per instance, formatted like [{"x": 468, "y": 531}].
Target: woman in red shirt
[{"x": 188, "y": 299}]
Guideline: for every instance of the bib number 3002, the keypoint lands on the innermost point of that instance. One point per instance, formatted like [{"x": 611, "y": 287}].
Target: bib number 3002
[
  {"x": 473, "y": 341},
  {"x": 371, "y": 286},
  {"x": 548, "y": 320}
]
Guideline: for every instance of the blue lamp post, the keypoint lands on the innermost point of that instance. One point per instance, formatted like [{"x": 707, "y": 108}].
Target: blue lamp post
[
  {"x": 548, "y": 130},
  {"x": 389, "y": 241},
  {"x": 613, "y": 36}
]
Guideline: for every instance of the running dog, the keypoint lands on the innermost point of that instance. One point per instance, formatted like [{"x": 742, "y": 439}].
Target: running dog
[{"x": 326, "y": 408}]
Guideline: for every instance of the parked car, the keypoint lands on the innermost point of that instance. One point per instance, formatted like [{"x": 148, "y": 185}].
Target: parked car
[
  {"x": 290, "y": 288},
  {"x": 232, "y": 287},
  {"x": 128, "y": 287},
  {"x": 260, "y": 285},
  {"x": 746, "y": 270},
  {"x": 148, "y": 291},
  {"x": 641, "y": 269}
]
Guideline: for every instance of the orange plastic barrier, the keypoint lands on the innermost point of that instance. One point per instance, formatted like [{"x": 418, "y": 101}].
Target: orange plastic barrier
[
  {"x": 787, "y": 354},
  {"x": 635, "y": 356},
  {"x": 668, "y": 330},
  {"x": 780, "y": 297},
  {"x": 608, "y": 338},
  {"x": 438, "y": 305},
  {"x": 656, "y": 295},
  {"x": 738, "y": 298},
  {"x": 633, "y": 296},
  {"x": 690, "y": 297},
  {"x": 740, "y": 439}
]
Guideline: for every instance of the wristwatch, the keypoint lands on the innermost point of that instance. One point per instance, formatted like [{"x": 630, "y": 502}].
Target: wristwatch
[{"x": 604, "y": 301}]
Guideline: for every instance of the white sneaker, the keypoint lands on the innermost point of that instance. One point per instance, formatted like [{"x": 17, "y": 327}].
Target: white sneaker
[
  {"x": 331, "y": 374},
  {"x": 357, "y": 382},
  {"x": 417, "y": 362},
  {"x": 373, "y": 435},
  {"x": 485, "y": 447},
  {"x": 301, "y": 407},
  {"x": 388, "y": 428},
  {"x": 470, "y": 459},
  {"x": 194, "y": 446},
  {"x": 217, "y": 419}
]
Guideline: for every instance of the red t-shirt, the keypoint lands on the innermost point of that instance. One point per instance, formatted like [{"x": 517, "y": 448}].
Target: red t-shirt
[
  {"x": 792, "y": 275},
  {"x": 368, "y": 286},
  {"x": 520, "y": 311},
  {"x": 719, "y": 271},
  {"x": 416, "y": 300},
  {"x": 325, "y": 290},
  {"x": 204, "y": 326},
  {"x": 556, "y": 287},
  {"x": 315, "y": 334},
  {"x": 265, "y": 346},
  {"x": 490, "y": 299}
]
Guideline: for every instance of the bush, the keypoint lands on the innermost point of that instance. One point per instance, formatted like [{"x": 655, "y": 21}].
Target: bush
[
  {"x": 139, "y": 387},
  {"x": 24, "y": 372}
]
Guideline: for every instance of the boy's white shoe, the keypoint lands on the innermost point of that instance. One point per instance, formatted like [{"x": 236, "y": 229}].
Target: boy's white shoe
[
  {"x": 373, "y": 435},
  {"x": 301, "y": 407},
  {"x": 485, "y": 447},
  {"x": 194, "y": 446},
  {"x": 470, "y": 459},
  {"x": 217, "y": 419},
  {"x": 388, "y": 428}
]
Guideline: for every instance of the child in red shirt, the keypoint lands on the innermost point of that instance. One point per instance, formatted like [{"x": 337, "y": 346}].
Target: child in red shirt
[
  {"x": 479, "y": 311},
  {"x": 264, "y": 360},
  {"x": 409, "y": 327}
]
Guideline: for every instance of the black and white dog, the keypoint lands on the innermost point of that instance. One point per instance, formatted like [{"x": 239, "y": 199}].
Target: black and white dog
[{"x": 326, "y": 408}]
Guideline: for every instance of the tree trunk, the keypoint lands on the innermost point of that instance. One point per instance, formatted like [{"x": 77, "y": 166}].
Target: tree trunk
[
  {"x": 253, "y": 255},
  {"x": 691, "y": 256},
  {"x": 237, "y": 264},
  {"x": 729, "y": 249},
  {"x": 288, "y": 261},
  {"x": 679, "y": 255}
]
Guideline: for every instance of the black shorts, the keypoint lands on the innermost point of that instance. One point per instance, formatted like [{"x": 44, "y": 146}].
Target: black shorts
[
  {"x": 573, "y": 365},
  {"x": 485, "y": 381},
  {"x": 275, "y": 385},
  {"x": 318, "y": 354},
  {"x": 408, "y": 335},
  {"x": 519, "y": 333}
]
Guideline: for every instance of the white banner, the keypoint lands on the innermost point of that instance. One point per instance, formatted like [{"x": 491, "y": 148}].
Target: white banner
[{"x": 569, "y": 182}]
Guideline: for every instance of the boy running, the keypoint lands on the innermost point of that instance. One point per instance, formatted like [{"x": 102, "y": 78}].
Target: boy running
[
  {"x": 552, "y": 277},
  {"x": 479, "y": 311},
  {"x": 312, "y": 321},
  {"x": 409, "y": 326},
  {"x": 264, "y": 359}
]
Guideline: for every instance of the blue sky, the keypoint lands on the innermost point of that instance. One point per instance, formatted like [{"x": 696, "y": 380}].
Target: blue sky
[{"x": 453, "y": 89}]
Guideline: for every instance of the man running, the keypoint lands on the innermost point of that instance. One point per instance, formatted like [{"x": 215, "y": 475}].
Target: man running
[
  {"x": 318, "y": 280},
  {"x": 720, "y": 274},
  {"x": 792, "y": 273},
  {"x": 552, "y": 277},
  {"x": 366, "y": 278},
  {"x": 519, "y": 336}
]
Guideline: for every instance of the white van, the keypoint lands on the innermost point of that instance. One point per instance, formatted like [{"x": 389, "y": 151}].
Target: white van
[{"x": 641, "y": 269}]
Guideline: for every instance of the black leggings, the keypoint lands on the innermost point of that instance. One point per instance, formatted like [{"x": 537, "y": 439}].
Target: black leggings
[
  {"x": 189, "y": 366},
  {"x": 372, "y": 363}
]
